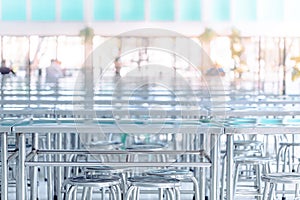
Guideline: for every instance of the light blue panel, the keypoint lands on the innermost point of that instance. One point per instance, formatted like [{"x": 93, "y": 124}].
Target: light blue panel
[
  {"x": 132, "y": 10},
  {"x": 71, "y": 10},
  {"x": 245, "y": 10},
  {"x": 162, "y": 10},
  {"x": 104, "y": 10},
  {"x": 272, "y": 10},
  {"x": 13, "y": 10},
  {"x": 292, "y": 10},
  {"x": 43, "y": 10},
  {"x": 190, "y": 10},
  {"x": 220, "y": 10}
]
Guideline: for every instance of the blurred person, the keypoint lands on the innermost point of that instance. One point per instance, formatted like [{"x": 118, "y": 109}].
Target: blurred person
[
  {"x": 54, "y": 72},
  {"x": 118, "y": 66},
  {"x": 6, "y": 70},
  {"x": 216, "y": 70}
]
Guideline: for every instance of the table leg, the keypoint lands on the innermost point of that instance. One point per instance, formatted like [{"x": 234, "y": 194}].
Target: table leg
[
  {"x": 21, "y": 175},
  {"x": 229, "y": 167},
  {"x": 34, "y": 170},
  {"x": 58, "y": 170},
  {"x": 49, "y": 169},
  {"x": 4, "y": 163},
  {"x": 202, "y": 170},
  {"x": 214, "y": 187}
]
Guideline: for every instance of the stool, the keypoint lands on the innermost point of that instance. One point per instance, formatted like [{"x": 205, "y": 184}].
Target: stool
[
  {"x": 253, "y": 161},
  {"x": 147, "y": 147},
  {"x": 170, "y": 185},
  {"x": 248, "y": 147},
  {"x": 107, "y": 170},
  {"x": 98, "y": 145},
  {"x": 103, "y": 145},
  {"x": 180, "y": 174},
  {"x": 243, "y": 149},
  {"x": 283, "y": 150},
  {"x": 97, "y": 181},
  {"x": 272, "y": 179}
]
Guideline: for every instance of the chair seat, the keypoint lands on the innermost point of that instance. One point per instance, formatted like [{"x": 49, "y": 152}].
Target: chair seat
[
  {"x": 146, "y": 146},
  {"x": 154, "y": 181},
  {"x": 173, "y": 173},
  {"x": 109, "y": 169},
  {"x": 287, "y": 178},
  {"x": 104, "y": 144},
  {"x": 253, "y": 159},
  {"x": 94, "y": 181},
  {"x": 289, "y": 143},
  {"x": 247, "y": 143}
]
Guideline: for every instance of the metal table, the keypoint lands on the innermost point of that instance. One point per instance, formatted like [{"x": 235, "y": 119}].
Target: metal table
[
  {"x": 230, "y": 131},
  {"x": 185, "y": 127},
  {"x": 5, "y": 129}
]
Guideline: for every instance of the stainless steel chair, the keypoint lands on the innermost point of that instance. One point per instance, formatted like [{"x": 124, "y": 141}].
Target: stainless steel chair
[
  {"x": 170, "y": 185},
  {"x": 273, "y": 179},
  {"x": 112, "y": 183},
  {"x": 183, "y": 175}
]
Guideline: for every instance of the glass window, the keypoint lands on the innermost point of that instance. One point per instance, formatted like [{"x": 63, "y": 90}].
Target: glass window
[
  {"x": 220, "y": 10},
  {"x": 104, "y": 10},
  {"x": 292, "y": 10},
  {"x": 44, "y": 46},
  {"x": 161, "y": 10},
  {"x": 132, "y": 10},
  {"x": 14, "y": 10},
  {"x": 272, "y": 10},
  {"x": 43, "y": 10},
  {"x": 72, "y": 10},
  {"x": 190, "y": 10},
  {"x": 245, "y": 10},
  {"x": 70, "y": 51},
  {"x": 15, "y": 51}
]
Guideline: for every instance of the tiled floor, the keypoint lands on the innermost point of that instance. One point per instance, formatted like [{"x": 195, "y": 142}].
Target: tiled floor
[
  {"x": 186, "y": 186},
  {"x": 144, "y": 194}
]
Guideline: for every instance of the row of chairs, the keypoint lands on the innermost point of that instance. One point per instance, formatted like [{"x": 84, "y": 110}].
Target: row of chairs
[{"x": 266, "y": 173}]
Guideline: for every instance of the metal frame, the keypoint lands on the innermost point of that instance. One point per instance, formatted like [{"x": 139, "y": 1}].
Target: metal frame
[{"x": 25, "y": 160}]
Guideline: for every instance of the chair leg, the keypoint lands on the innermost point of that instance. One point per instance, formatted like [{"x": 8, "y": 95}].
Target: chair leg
[
  {"x": 271, "y": 191},
  {"x": 171, "y": 192},
  {"x": 196, "y": 188},
  {"x": 258, "y": 179},
  {"x": 236, "y": 177},
  {"x": 84, "y": 193},
  {"x": 118, "y": 190},
  {"x": 160, "y": 194},
  {"x": 267, "y": 187},
  {"x": 137, "y": 196},
  {"x": 278, "y": 158},
  {"x": 129, "y": 192},
  {"x": 90, "y": 193},
  {"x": 123, "y": 184},
  {"x": 177, "y": 192},
  {"x": 112, "y": 193},
  {"x": 297, "y": 191},
  {"x": 70, "y": 192},
  {"x": 102, "y": 193},
  {"x": 223, "y": 178}
]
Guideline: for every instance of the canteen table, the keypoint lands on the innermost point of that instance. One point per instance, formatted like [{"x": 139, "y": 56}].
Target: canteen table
[
  {"x": 250, "y": 129},
  {"x": 5, "y": 129},
  {"x": 75, "y": 103},
  {"x": 172, "y": 126}
]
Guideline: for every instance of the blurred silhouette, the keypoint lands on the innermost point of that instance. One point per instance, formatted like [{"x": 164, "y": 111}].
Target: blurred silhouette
[
  {"x": 216, "y": 70},
  {"x": 54, "y": 72},
  {"x": 118, "y": 66},
  {"x": 4, "y": 69}
]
